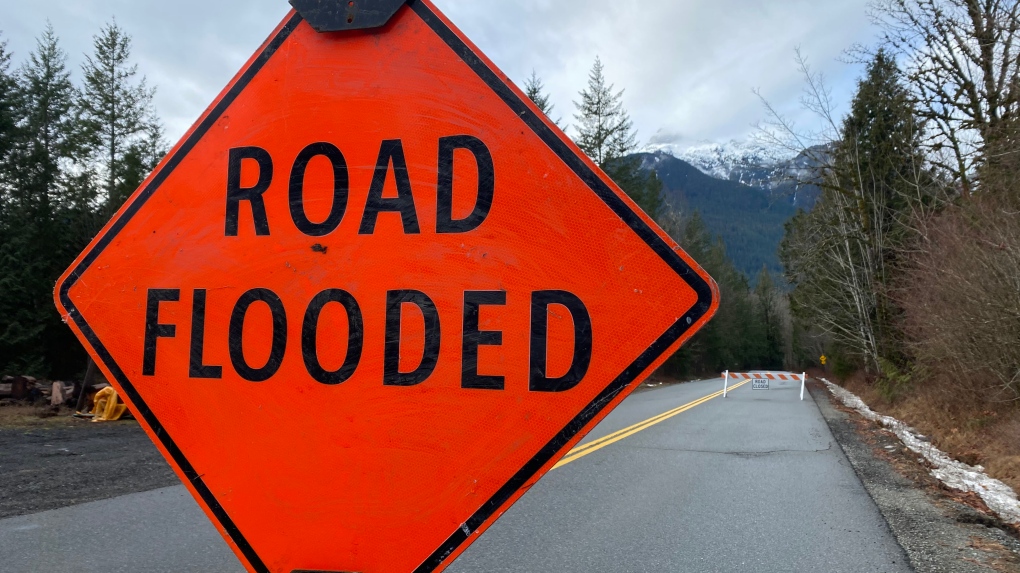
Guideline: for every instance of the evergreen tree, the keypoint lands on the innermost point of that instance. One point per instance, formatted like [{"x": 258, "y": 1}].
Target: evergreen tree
[
  {"x": 24, "y": 267},
  {"x": 604, "y": 129},
  {"x": 143, "y": 155},
  {"x": 734, "y": 338},
  {"x": 769, "y": 317},
  {"x": 880, "y": 152},
  {"x": 37, "y": 246},
  {"x": 643, "y": 186},
  {"x": 881, "y": 155},
  {"x": 12, "y": 326},
  {"x": 115, "y": 110},
  {"x": 48, "y": 124},
  {"x": 68, "y": 157},
  {"x": 535, "y": 90},
  {"x": 842, "y": 256},
  {"x": 606, "y": 134},
  {"x": 8, "y": 120}
]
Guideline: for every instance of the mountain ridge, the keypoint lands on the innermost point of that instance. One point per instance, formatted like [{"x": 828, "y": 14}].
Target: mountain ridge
[
  {"x": 779, "y": 172},
  {"x": 750, "y": 220}
]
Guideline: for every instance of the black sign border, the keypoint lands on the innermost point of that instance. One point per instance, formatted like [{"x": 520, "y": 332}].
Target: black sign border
[{"x": 492, "y": 79}]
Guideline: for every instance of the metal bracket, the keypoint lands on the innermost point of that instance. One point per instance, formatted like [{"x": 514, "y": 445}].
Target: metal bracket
[{"x": 340, "y": 15}]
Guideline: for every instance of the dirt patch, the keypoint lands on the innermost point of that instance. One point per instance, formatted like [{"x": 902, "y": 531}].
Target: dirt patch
[
  {"x": 25, "y": 416},
  {"x": 1000, "y": 558},
  {"x": 53, "y": 462}
]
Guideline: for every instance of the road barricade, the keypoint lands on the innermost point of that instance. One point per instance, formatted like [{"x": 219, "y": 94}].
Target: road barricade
[{"x": 763, "y": 377}]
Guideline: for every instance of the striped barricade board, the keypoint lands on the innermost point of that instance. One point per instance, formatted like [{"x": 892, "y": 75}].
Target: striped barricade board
[
  {"x": 765, "y": 376},
  {"x": 762, "y": 380}
]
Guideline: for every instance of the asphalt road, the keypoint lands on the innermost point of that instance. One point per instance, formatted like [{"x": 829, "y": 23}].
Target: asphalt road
[{"x": 754, "y": 482}]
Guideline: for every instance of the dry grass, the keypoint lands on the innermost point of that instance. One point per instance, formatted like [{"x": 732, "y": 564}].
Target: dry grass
[
  {"x": 963, "y": 420},
  {"x": 997, "y": 556},
  {"x": 28, "y": 417},
  {"x": 960, "y": 295}
]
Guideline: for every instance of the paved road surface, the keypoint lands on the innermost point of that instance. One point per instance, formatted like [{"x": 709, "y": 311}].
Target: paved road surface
[{"x": 754, "y": 482}]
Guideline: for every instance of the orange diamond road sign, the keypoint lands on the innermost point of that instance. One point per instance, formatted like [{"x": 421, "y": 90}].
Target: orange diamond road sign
[{"x": 374, "y": 295}]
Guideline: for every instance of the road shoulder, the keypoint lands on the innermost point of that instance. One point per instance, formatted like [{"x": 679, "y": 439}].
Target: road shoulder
[
  {"x": 44, "y": 468},
  {"x": 937, "y": 531}
]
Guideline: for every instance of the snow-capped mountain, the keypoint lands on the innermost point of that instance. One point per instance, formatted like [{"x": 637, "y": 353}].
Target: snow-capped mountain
[
  {"x": 744, "y": 162},
  {"x": 784, "y": 175},
  {"x": 747, "y": 219}
]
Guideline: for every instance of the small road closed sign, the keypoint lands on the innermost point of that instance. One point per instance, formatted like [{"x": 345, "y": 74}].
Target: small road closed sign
[
  {"x": 374, "y": 295},
  {"x": 760, "y": 384}
]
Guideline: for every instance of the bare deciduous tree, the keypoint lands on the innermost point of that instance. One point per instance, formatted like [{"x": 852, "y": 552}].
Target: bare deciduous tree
[
  {"x": 961, "y": 59},
  {"x": 961, "y": 293}
]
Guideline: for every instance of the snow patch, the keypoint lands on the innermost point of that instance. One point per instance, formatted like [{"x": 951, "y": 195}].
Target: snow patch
[
  {"x": 724, "y": 160},
  {"x": 999, "y": 497}
]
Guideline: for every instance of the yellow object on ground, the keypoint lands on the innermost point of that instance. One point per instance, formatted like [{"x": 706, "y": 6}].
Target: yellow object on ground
[{"x": 107, "y": 406}]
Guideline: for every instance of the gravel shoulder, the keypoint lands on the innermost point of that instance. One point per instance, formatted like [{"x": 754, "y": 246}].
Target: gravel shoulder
[
  {"x": 941, "y": 531},
  {"x": 63, "y": 462}
]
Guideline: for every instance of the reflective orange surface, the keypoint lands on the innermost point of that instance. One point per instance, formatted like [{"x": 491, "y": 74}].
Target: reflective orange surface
[{"x": 360, "y": 475}]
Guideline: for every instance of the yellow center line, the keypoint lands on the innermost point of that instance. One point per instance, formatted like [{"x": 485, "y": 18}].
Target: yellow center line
[{"x": 595, "y": 445}]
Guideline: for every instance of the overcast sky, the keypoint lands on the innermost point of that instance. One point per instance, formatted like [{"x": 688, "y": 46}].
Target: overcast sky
[{"x": 688, "y": 66}]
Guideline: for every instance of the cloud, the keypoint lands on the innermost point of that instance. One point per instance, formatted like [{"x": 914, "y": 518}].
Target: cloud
[{"x": 688, "y": 67}]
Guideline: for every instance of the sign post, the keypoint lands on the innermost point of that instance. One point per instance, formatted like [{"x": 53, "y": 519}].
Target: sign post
[
  {"x": 726, "y": 383},
  {"x": 374, "y": 294}
]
